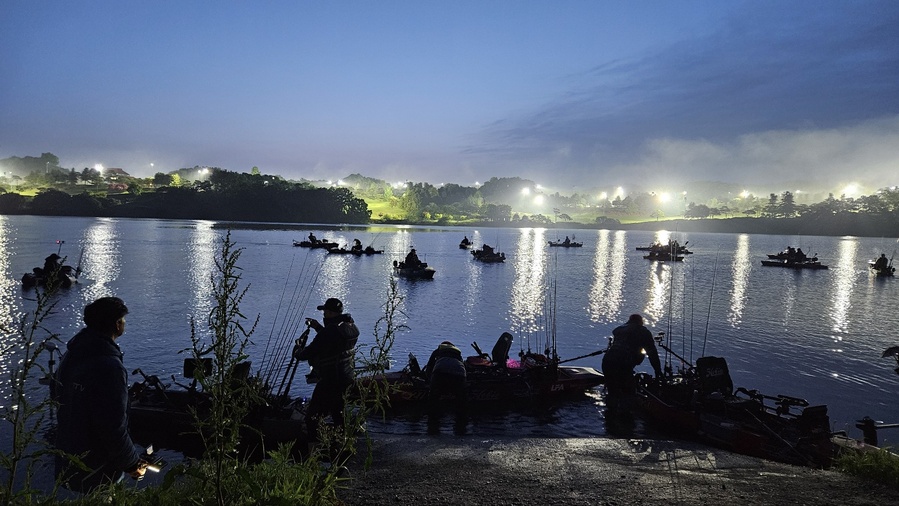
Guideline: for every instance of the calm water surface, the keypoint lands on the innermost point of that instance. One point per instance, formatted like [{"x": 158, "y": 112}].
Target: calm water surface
[{"x": 816, "y": 334}]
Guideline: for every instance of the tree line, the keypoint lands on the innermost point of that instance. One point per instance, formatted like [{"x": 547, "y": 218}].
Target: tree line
[{"x": 224, "y": 195}]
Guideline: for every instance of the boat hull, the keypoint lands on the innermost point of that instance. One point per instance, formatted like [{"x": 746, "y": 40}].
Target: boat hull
[{"x": 491, "y": 384}]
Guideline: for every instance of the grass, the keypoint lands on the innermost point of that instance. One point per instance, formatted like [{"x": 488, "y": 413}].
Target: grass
[{"x": 880, "y": 466}]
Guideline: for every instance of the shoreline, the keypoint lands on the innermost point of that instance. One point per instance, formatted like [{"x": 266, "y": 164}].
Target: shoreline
[{"x": 468, "y": 471}]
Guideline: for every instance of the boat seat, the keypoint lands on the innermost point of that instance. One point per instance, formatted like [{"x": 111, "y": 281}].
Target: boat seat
[
  {"x": 714, "y": 377},
  {"x": 500, "y": 353}
]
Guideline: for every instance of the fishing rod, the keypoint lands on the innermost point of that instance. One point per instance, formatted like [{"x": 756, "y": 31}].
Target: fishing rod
[
  {"x": 593, "y": 354},
  {"x": 80, "y": 258},
  {"x": 709, "y": 314}
]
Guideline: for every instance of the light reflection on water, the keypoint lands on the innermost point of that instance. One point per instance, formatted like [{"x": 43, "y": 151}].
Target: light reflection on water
[
  {"x": 201, "y": 254},
  {"x": 741, "y": 269},
  {"x": 101, "y": 245},
  {"x": 529, "y": 286},
  {"x": 844, "y": 282},
  {"x": 609, "y": 270}
]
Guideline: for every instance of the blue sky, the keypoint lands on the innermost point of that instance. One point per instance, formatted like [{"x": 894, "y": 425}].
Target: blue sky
[{"x": 571, "y": 94}]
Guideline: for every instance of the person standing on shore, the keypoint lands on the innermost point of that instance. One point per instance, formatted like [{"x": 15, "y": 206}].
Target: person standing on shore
[
  {"x": 332, "y": 353},
  {"x": 92, "y": 390},
  {"x": 629, "y": 342}
]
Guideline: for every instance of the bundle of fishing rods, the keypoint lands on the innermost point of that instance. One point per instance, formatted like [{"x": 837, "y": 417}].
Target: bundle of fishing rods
[{"x": 286, "y": 338}]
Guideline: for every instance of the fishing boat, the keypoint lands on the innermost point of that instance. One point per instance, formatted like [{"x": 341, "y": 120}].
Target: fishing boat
[
  {"x": 419, "y": 271},
  {"x": 53, "y": 270},
  {"x": 663, "y": 256},
  {"x": 367, "y": 251},
  {"x": 495, "y": 378},
  {"x": 882, "y": 267},
  {"x": 567, "y": 243},
  {"x": 488, "y": 255},
  {"x": 700, "y": 403},
  {"x": 811, "y": 263},
  {"x": 66, "y": 276},
  {"x": 465, "y": 243},
  {"x": 163, "y": 414},
  {"x": 673, "y": 247},
  {"x": 322, "y": 244}
]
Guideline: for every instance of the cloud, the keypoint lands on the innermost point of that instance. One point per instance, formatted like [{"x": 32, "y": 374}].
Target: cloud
[{"x": 769, "y": 94}]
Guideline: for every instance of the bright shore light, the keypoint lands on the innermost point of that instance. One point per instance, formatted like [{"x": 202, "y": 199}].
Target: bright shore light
[
  {"x": 664, "y": 197},
  {"x": 745, "y": 194},
  {"x": 98, "y": 167},
  {"x": 538, "y": 200},
  {"x": 525, "y": 191},
  {"x": 851, "y": 190}
]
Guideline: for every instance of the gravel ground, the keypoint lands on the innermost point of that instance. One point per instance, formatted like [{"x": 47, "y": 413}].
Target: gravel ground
[{"x": 465, "y": 471}]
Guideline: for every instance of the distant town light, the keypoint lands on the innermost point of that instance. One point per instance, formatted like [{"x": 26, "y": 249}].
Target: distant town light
[
  {"x": 604, "y": 196},
  {"x": 538, "y": 200},
  {"x": 525, "y": 191},
  {"x": 619, "y": 191},
  {"x": 745, "y": 194},
  {"x": 98, "y": 167},
  {"x": 664, "y": 197}
]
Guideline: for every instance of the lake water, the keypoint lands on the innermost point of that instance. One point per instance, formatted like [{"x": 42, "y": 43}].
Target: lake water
[{"x": 818, "y": 335}]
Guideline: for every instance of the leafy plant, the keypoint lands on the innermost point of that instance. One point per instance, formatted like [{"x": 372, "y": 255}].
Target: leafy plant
[
  {"x": 231, "y": 396},
  {"x": 27, "y": 415}
]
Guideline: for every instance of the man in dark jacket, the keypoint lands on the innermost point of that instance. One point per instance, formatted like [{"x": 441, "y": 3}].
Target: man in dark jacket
[
  {"x": 332, "y": 354},
  {"x": 93, "y": 402},
  {"x": 629, "y": 342},
  {"x": 446, "y": 373}
]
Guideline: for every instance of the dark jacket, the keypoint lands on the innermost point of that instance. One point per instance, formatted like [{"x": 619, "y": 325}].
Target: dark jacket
[
  {"x": 627, "y": 343},
  {"x": 445, "y": 360},
  {"x": 93, "y": 405},
  {"x": 333, "y": 351}
]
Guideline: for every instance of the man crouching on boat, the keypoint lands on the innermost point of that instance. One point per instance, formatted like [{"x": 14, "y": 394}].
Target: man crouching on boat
[
  {"x": 629, "y": 342},
  {"x": 446, "y": 376},
  {"x": 332, "y": 354}
]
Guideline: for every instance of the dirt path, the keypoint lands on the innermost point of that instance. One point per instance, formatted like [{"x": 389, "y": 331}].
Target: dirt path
[{"x": 464, "y": 471}]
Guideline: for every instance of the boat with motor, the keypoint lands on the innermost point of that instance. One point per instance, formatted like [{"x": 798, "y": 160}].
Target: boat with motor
[
  {"x": 465, "y": 243},
  {"x": 488, "y": 255},
  {"x": 418, "y": 271},
  {"x": 673, "y": 247},
  {"x": 319, "y": 244},
  {"x": 53, "y": 270},
  {"x": 567, "y": 243},
  {"x": 882, "y": 267},
  {"x": 367, "y": 251},
  {"x": 811, "y": 263},
  {"x": 663, "y": 256},
  {"x": 700, "y": 403},
  {"x": 163, "y": 414},
  {"x": 495, "y": 378}
]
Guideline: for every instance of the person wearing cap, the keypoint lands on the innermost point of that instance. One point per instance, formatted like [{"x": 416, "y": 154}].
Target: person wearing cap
[
  {"x": 332, "y": 353},
  {"x": 446, "y": 375},
  {"x": 629, "y": 343},
  {"x": 92, "y": 391}
]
